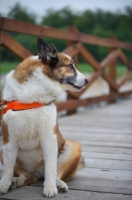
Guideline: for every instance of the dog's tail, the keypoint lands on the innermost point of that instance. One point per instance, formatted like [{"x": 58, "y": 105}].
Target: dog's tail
[{"x": 81, "y": 164}]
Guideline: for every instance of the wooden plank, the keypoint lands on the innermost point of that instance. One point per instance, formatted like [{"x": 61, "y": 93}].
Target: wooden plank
[
  {"x": 35, "y": 193},
  {"x": 125, "y": 60},
  {"x": 124, "y": 78},
  {"x": 110, "y": 174},
  {"x": 37, "y": 30},
  {"x": 15, "y": 47},
  {"x": 89, "y": 58},
  {"x": 106, "y": 144},
  {"x": 108, "y": 164},
  {"x": 103, "y": 41},
  {"x": 100, "y": 130},
  {"x": 1, "y": 23},
  {"x": 103, "y": 149},
  {"x": 32, "y": 29},
  {"x": 87, "y": 128},
  {"x": 110, "y": 57},
  {"x": 112, "y": 181},
  {"x": 118, "y": 182},
  {"x": 92, "y": 61},
  {"x": 112, "y": 70},
  {"x": 106, "y": 156},
  {"x": 71, "y": 104},
  {"x": 72, "y": 50},
  {"x": 80, "y": 135},
  {"x": 110, "y": 81},
  {"x": 1, "y": 37},
  {"x": 69, "y": 96}
]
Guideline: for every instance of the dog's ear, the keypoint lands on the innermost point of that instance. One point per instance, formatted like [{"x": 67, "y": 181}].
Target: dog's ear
[{"x": 47, "y": 53}]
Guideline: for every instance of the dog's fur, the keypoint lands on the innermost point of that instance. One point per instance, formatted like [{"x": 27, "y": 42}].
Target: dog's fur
[{"x": 33, "y": 147}]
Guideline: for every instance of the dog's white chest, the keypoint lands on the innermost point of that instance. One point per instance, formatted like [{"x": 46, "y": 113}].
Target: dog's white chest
[
  {"x": 30, "y": 127},
  {"x": 29, "y": 142}
]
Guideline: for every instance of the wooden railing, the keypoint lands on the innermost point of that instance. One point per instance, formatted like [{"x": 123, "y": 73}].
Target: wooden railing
[{"x": 75, "y": 47}]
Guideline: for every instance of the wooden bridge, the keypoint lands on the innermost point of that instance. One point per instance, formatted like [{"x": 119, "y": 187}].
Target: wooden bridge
[
  {"x": 105, "y": 132},
  {"x": 75, "y": 41}
]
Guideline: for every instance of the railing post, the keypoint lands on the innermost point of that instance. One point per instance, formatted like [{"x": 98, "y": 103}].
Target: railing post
[
  {"x": 69, "y": 96},
  {"x": 112, "y": 70}
]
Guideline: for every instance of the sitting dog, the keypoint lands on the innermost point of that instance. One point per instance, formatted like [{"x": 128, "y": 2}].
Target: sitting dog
[{"x": 33, "y": 147}]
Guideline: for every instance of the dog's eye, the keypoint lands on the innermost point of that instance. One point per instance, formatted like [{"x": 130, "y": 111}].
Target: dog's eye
[{"x": 71, "y": 66}]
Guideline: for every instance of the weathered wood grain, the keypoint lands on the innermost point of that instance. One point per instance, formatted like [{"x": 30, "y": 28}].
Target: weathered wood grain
[
  {"x": 124, "y": 78},
  {"x": 27, "y": 28},
  {"x": 72, "y": 104},
  {"x": 14, "y": 46},
  {"x": 106, "y": 164},
  {"x": 107, "y": 156},
  {"x": 35, "y": 193},
  {"x": 105, "y": 134}
]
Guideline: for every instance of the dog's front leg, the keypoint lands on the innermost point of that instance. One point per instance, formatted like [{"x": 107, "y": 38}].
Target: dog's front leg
[
  {"x": 10, "y": 151},
  {"x": 49, "y": 146}
]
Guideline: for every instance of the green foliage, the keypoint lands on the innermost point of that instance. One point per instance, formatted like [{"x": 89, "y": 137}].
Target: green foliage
[
  {"x": 21, "y": 13},
  {"x": 98, "y": 22},
  {"x": 8, "y": 66}
]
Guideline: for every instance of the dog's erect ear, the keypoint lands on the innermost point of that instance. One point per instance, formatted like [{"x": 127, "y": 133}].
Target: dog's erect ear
[{"x": 47, "y": 52}]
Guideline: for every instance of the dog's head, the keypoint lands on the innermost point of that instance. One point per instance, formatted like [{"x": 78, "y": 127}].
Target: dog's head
[{"x": 60, "y": 67}]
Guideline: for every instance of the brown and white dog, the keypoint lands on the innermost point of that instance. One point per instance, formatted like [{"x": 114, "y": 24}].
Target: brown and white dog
[{"x": 33, "y": 147}]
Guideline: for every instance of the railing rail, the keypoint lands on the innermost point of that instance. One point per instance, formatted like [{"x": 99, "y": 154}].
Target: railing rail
[{"x": 75, "y": 47}]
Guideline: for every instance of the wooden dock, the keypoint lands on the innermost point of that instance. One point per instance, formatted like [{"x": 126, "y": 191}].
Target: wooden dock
[{"x": 105, "y": 133}]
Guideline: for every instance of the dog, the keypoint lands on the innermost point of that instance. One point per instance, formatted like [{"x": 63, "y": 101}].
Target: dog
[{"x": 33, "y": 147}]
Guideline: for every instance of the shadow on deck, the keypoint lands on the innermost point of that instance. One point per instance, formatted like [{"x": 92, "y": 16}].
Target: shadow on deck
[{"x": 106, "y": 137}]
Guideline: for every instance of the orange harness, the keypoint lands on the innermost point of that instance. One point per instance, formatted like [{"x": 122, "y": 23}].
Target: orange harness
[{"x": 16, "y": 105}]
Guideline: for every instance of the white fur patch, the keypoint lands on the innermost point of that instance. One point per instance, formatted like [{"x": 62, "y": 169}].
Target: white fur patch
[
  {"x": 31, "y": 132},
  {"x": 38, "y": 88}
]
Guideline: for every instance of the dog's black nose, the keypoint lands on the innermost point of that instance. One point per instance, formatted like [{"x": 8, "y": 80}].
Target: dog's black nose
[{"x": 86, "y": 81}]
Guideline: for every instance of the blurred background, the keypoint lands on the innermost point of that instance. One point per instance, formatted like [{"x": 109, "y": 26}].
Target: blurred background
[{"x": 97, "y": 17}]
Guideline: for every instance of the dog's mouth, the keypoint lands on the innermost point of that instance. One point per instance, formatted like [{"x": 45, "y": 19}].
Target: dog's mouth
[{"x": 75, "y": 86}]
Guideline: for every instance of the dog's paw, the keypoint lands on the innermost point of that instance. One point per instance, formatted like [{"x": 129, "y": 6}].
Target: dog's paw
[
  {"x": 61, "y": 185},
  {"x": 17, "y": 182},
  {"x": 50, "y": 192},
  {"x": 4, "y": 187}
]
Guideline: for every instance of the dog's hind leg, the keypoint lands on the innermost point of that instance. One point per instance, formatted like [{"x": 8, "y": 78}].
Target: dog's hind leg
[
  {"x": 10, "y": 150},
  {"x": 22, "y": 178},
  {"x": 68, "y": 160}
]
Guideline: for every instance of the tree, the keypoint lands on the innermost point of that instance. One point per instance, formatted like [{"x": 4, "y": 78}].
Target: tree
[
  {"x": 98, "y": 22},
  {"x": 18, "y": 12},
  {"x": 21, "y": 13}
]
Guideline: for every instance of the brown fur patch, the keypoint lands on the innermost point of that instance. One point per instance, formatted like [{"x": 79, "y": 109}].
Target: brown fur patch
[
  {"x": 29, "y": 178},
  {"x": 66, "y": 171},
  {"x": 59, "y": 139},
  {"x": 62, "y": 69},
  {"x": 5, "y": 133},
  {"x": 25, "y": 69},
  {"x": 19, "y": 171}
]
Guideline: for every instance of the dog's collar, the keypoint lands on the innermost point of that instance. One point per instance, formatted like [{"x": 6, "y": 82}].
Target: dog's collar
[{"x": 16, "y": 106}]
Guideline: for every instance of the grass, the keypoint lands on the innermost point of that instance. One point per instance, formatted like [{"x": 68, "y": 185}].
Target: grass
[
  {"x": 83, "y": 67},
  {"x": 8, "y": 66},
  {"x": 120, "y": 69}
]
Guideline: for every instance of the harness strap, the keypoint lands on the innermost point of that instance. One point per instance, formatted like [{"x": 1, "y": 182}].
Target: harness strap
[{"x": 16, "y": 106}]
